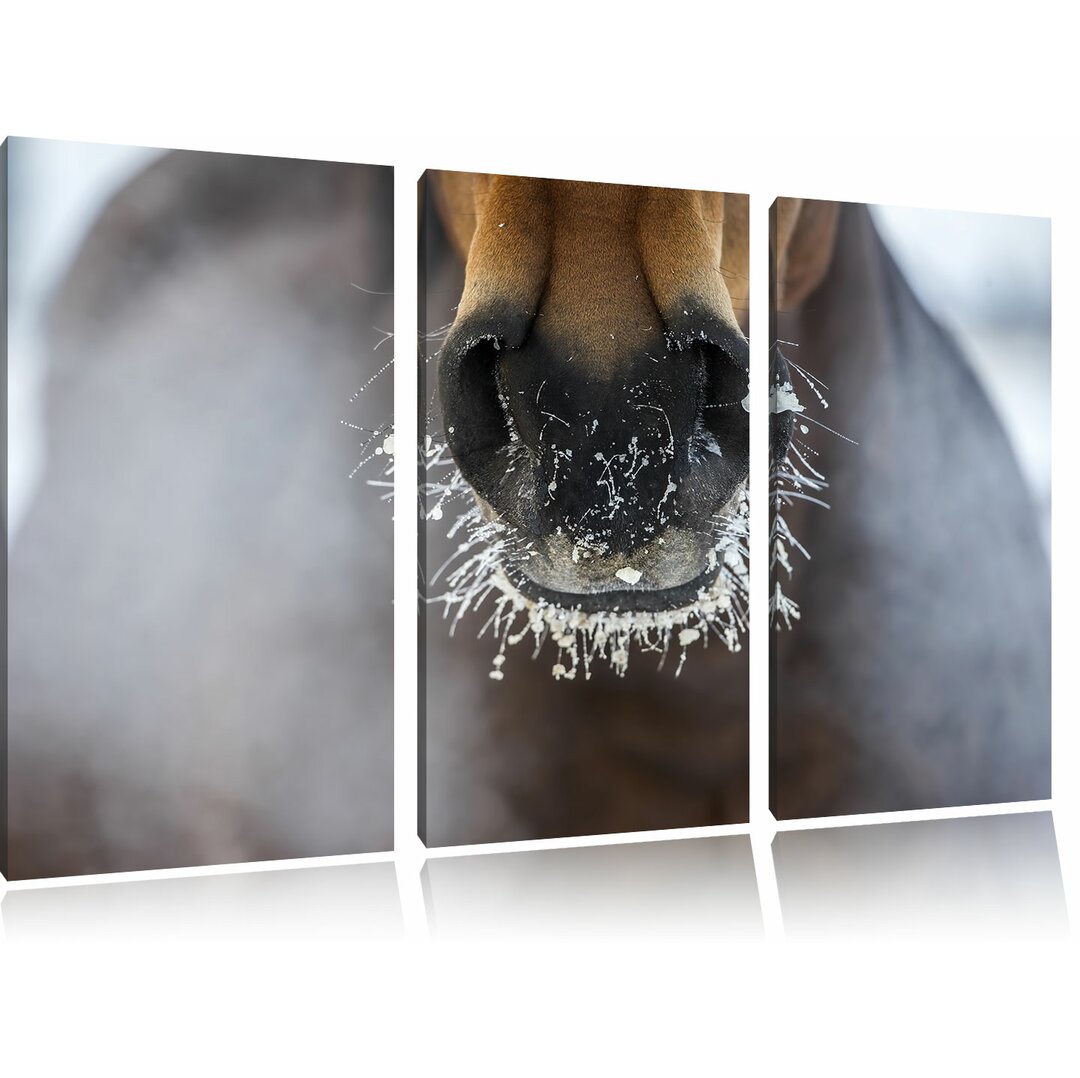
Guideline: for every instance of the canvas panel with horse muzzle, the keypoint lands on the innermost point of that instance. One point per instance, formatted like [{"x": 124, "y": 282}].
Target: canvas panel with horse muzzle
[{"x": 586, "y": 463}]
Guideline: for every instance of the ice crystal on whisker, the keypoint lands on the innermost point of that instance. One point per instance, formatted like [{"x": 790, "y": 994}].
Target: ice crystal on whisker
[
  {"x": 795, "y": 478},
  {"x": 379, "y": 441}
]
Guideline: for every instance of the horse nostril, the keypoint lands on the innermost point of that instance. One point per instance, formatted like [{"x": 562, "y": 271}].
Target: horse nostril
[
  {"x": 725, "y": 422},
  {"x": 475, "y": 413},
  {"x": 469, "y": 395},
  {"x": 727, "y": 381}
]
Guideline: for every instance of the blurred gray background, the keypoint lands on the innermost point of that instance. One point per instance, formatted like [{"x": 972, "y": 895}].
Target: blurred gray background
[
  {"x": 55, "y": 191},
  {"x": 199, "y": 607},
  {"x": 986, "y": 278}
]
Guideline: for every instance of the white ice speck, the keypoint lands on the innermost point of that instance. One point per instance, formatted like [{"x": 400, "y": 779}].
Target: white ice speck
[
  {"x": 631, "y": 576},
  {"x": 388, "y": 444},
  {"x": 785, "y": 400},
  {"x": 688, "y": 636}
]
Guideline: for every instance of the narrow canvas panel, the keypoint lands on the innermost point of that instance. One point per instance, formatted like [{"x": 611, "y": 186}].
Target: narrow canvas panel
[
  {"x": 583, "y": 475},
  {"x": 910, "y": 545},
  {"x": 198, "y": 653}
]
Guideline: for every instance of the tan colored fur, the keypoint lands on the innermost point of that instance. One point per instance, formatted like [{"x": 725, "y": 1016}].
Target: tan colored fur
[
  {"x": 603, "y": 265},
  {"x": 805, "y": 236}
]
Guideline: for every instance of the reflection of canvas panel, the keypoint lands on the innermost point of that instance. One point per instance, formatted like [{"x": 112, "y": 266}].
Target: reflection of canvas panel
[
  {"x": 911, "y": 657},
  {"x": 584, "y": 472},
  {"x": 989, "y": 876},
  {"x": 339, "y": 905},
  {"x": 687, "y": 890},
  {"x": 199, "y": 651}
]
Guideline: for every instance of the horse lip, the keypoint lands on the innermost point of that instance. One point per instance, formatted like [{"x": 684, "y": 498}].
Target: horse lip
[
  {"x": 615, "y": 600},
  {"x": 669, "y": 557},
  {"x": 674, "y": 569}
]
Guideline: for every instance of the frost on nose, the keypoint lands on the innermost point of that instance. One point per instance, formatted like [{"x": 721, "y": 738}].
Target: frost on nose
[{"x": 606, "y": 455}]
